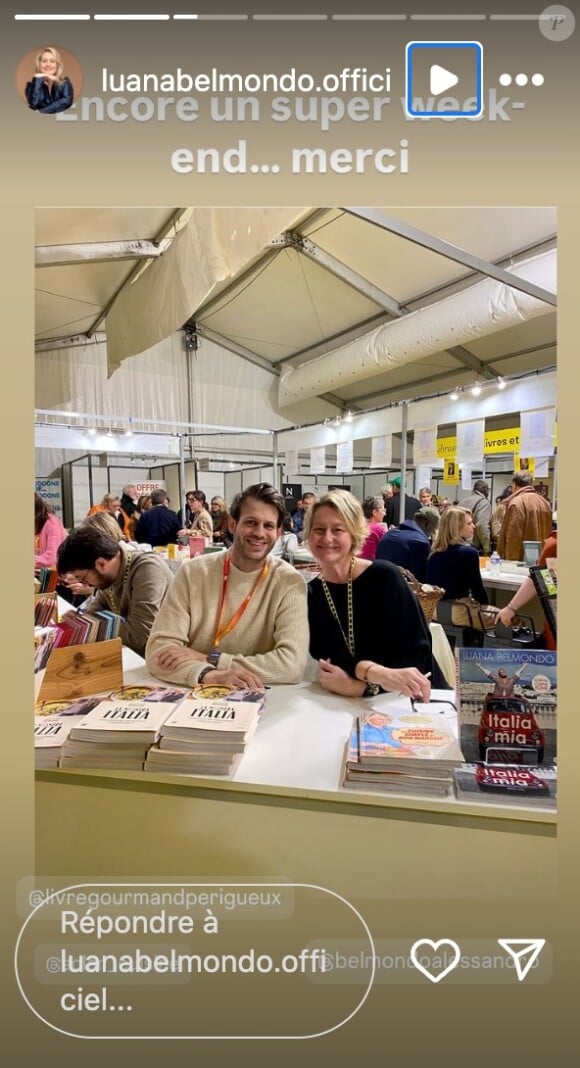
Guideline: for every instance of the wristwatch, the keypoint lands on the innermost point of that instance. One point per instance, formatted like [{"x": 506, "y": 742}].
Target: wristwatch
[
  {"x": 372, "y": 690},
  {"x": 203, "y": 673},
  {"x": 213, "y": 657}
]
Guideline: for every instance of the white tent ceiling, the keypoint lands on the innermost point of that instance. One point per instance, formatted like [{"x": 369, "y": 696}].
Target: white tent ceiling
[{"x": 283, "y": 301}]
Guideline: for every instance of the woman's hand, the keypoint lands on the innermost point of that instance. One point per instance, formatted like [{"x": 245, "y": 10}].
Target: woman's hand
[
  {"x": 506, "y": 616},
  {"x": 409, "y": 681},
  {"x": 335, "y": 680}
]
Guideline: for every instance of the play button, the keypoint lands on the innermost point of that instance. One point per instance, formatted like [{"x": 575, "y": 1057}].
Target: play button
[
  {"x": 441, "y": 79},
  {"x": 444, "y": 79}
]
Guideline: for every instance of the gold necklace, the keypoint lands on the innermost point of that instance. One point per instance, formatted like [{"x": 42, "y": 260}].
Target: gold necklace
[
  {"x": 349, "y": 642},
  {"x": 112, "y": 597}
]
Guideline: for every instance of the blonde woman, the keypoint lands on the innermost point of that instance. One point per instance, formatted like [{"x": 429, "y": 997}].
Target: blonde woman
[
  {"x": 49, "y": 90},
  {"x": 454, "y": 563},
  {"x": 219, "y": 517},
  {"x": 367, "y": 630}
]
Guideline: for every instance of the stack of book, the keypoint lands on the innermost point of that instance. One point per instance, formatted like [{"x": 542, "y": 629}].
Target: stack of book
[
  {"x": 53, "y": 720},
  {"x": 409, "y": 753},
  {"x": 79, "y": 628},
  {"x": 119, "y": 730},
  {"x": 507, "y": 725},
  {"x": 207, "y": 735}
]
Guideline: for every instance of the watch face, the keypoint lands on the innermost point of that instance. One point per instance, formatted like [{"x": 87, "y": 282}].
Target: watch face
[{"x": 213, "y": 657}]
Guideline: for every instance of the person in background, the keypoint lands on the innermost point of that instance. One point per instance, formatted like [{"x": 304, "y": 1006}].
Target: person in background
[
  {"x": 367, "y": 630},
  {"x": 106, "y": 524},
  {"x": 409, "y": 544},
  {"x": 143, "y": 504},
  {"x": 425, "y": 497},
  {"x": 219, "y": 517},
  {"x": 110, "y": 503},
  {"x": 480, "y": 507},
  {"x": 497, "y": 516},
  {"x": 158, "y": 525},
  {"x": 411, "y": 504},
  {"x": 374, "y": 513},
  {"x": 128, "y": 510},
  {"x": 453, "y": 563},
  {"x": 49, "y": 532},
  {"x": 236, "y": 618},
  {"x": 297, "y": 516},
  {"x": 287, "y": 544},
  {"x": 308, "y": 500},
  {"x": 130, "y": 583},
  {"x": 528, "y": 517},
  {"x": 49, "y": 91},
  {"x": 200, "y": 521},
  {"x": 527, "y": 590}
]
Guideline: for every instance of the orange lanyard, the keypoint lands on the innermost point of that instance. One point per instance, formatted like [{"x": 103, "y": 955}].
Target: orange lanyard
[{"x": 220, "y": 632}]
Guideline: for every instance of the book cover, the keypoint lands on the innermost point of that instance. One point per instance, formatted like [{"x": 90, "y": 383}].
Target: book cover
[
  {"x": 411, "y": 738},
  {"x": 218, "y": 692},
  {"x": 500, "y": 784},
  {"x": 50, "y": 734},
  {"x": 76, "y": 706},
  {"x": 508, "y": 706},
  {"x": 198, "y": 719},
  {"x": 116, "y": 722}
]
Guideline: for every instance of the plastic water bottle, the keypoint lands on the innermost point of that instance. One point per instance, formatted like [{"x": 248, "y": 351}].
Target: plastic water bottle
[{"x": 494, "y": 563}]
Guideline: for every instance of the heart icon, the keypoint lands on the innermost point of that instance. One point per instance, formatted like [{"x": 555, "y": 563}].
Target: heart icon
[{"x": 434, "y": 946}]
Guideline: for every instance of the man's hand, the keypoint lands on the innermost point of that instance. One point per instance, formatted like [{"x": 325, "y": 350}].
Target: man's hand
[
  {"x": 238, "y": 677},
  {"x": 335, "y": 680},
  {"x": 175, "y": 655}
]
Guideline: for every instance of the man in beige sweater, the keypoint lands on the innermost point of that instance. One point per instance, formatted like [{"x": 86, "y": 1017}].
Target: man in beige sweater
[{"x": 237, "y": 618}]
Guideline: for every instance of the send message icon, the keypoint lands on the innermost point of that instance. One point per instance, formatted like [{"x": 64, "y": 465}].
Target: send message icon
[{"x": 524, "y": 952}]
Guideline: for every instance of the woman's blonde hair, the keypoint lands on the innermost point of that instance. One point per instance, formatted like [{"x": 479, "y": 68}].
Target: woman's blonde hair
[
  {"x": 449, "y": 531},
  {"x": 56, "y": 56},
  {"x": 109, "y": 498},
  {"x": 220, "y": 502},
  {"x": 347, "y": 508},
  {"x": 105, "y": 522}
]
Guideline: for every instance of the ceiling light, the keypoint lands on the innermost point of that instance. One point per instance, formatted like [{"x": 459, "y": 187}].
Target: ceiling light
[
  {"x": 476, "y": 390},
  {"x": 109, "y": 433},
  {"x": 348, "y": 417},
  {"x": 337, "y": 420},
  {"x": 92, "y": 431},
  {"x": 455, "y": 395},
  {"x": 501, "y": 383}
]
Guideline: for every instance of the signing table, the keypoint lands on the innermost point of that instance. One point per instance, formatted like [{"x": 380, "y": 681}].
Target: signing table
[{"x": 286, "y": 816}]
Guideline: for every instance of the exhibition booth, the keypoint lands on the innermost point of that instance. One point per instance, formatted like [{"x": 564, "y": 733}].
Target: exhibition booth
[{"x": 218, "y": 425}]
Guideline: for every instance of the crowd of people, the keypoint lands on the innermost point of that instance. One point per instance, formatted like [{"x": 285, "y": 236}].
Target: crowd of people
[{"x": 241, "y": 617}]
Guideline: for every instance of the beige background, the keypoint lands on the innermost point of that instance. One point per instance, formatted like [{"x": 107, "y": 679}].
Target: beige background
[{"x": 532, "y": 160}]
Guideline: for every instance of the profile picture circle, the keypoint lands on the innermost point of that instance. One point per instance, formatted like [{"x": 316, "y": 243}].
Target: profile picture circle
[{"x": 49, "y": 79}]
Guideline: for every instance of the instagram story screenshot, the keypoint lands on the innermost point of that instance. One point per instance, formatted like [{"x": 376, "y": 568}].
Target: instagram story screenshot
[{"x": 290, "y": 319}]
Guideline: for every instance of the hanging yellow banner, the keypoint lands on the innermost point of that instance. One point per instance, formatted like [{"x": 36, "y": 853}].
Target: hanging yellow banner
[
  {"x": 525, "y": 463},
  {"x": 446, "y": 447},
  {"x": 494, "y": 441},
  {"x": 450, "y": 472}
]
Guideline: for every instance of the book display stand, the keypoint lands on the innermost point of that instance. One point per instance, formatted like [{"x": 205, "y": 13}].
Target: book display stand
[{"x": 81, "y": 670}]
